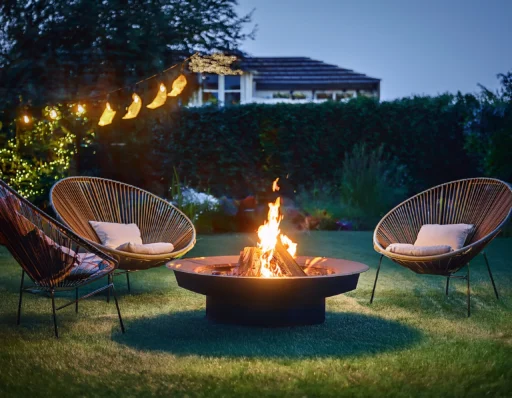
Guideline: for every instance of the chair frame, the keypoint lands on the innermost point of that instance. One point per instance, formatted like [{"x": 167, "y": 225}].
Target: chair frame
[
  {"x": 437, "y": 205},
  {"x": 66, "y": 284},
  {"x": 67, "y": 199}
]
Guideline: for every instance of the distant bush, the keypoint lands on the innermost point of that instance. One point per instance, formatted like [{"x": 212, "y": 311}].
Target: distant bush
[{"x": 369, "y": 184}]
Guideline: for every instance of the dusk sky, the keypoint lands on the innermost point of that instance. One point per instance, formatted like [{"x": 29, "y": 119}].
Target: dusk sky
[{"x": 414, "y": 46}]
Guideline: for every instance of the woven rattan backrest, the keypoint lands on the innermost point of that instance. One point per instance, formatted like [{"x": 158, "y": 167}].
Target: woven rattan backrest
[
  {"x": 40, "y": 245},
  {"x": 483, "y": 202},
  {"x": 78, "y": 200}
]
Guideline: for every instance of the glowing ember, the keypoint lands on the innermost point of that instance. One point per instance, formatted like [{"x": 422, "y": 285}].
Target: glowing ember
[{"x": 269, "y": 233}]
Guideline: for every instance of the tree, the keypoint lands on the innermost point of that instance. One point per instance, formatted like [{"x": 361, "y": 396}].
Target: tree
[
  {"x": 58, "y": 50},
  {"x": 489, "y": 132}
]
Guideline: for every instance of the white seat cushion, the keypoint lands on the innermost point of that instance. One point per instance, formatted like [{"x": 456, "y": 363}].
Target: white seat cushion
[
  {"x": 453, "y": 235},
  {"x": 113, "y": 234},
  {"x": 148, "y": 248},
  {"x": 420, "y": 251}
]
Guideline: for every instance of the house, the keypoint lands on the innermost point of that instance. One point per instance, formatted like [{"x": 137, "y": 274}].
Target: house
[{"x": 284, "y": 79}]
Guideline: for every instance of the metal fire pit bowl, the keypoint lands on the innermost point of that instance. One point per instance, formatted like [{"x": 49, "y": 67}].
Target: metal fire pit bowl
[{"x": 259, "y": 301}]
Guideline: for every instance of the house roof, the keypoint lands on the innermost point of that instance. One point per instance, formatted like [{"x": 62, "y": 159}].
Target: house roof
[{"x": 295, "y": 73}]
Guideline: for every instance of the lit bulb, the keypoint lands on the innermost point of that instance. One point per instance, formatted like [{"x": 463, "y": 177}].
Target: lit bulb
[
  {"x": 80, "y": 109},
  {"x": 53, "y": 114},
  {"x": 26, "y": 119},
  {"x": 134, "y": 108},
  {"x": 107, "y": 115},
  {"x": 161, "y": 97}
]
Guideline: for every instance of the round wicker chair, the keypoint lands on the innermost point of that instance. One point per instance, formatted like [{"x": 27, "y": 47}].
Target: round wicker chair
[
  {"x": 78, "y": 200},
  {"x": 53, "y": 257},
  {"x": 484, "y": 202}
]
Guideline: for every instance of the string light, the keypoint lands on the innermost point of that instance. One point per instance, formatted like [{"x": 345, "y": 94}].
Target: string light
[
  {"x": 178, "y": 85},
  {"x": 160, "y": 98},
  {"x": 134, "y": 108},
  {"x": 215, "y": 63},
  {"x": 107, "y": 116}
]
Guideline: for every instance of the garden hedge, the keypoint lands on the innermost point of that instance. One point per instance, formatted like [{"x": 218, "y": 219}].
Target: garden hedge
[{"x": 239, "y": 150}]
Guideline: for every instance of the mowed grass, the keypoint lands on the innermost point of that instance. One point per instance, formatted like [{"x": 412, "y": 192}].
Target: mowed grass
[{"x": 413, "y": 340}]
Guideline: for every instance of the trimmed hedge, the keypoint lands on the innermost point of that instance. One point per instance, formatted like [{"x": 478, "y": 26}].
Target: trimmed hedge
[{"x": 239, "y": 150}]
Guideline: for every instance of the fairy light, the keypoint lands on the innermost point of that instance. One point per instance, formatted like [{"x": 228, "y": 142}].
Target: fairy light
[
  {"x": 134, "y": 108},
  {"x": 178, "y": 85},
  {"x": 107, "y": 116},
  {"x": 26, "y": 119},
  {"x": 160, "y": 98}
]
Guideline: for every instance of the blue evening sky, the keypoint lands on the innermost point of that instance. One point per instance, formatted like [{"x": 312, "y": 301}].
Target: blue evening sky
[{"x": 414, "y": 46}]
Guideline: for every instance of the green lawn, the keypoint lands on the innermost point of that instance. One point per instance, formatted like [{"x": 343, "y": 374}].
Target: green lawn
[{"x": 413, "y": 341}]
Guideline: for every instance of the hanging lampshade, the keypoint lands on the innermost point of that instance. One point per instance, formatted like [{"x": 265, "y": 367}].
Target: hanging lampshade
[
  {"x": 178, "y": 85},
  {"x": 107, "y": 116},
  {"x": 160, "y": 98},
  {"x": 134, "y": 108}
]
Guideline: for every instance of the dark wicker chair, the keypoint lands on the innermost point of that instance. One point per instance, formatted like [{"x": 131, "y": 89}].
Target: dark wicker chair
[
  {"x": 78, "y": 200},
  {"x": 484, "y": 202},
  {"x": 54, "y": 258}
]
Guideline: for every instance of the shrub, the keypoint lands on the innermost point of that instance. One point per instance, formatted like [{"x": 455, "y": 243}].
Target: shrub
[{"x": 371, "y": 183}]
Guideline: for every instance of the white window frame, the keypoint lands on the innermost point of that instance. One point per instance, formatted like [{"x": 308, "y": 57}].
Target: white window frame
[{"x": 221, "y": 91}]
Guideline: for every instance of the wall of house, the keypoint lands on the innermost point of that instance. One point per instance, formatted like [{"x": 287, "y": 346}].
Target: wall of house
[{"x": 249, "y": 93}]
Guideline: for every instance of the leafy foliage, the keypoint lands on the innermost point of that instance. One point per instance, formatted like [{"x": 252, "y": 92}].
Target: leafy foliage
[
  {"x": 35, "y": 155},
  {"x": 239, "y": 150},
  {"x": 489, "y": 130}
]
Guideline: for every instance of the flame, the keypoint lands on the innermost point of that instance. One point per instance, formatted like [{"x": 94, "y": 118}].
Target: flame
[{"x": 268, "y": 234}]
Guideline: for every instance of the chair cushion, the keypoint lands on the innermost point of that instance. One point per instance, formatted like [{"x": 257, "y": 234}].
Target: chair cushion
[
  {"x": 453, "y": 235},
  {"x": 113, "y": 234},
  {"x": 148, "y": 248},
  {"x": 87, "y": 265},
  {"x": 421, "y": 251}
]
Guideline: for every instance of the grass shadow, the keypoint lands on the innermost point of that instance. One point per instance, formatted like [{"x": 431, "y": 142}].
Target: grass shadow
[{"x": 342, "y": 335}]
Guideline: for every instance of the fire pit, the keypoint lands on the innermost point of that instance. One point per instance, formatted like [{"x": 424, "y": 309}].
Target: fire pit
[
  {"x": 273, "y": 301},
  {"x": 267, "y": 285}
]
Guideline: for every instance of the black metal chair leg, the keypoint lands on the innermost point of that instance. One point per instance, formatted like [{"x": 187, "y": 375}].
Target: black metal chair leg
[
  {"x": 54, "y": 314},
  {"x": 490, "y": 275},
  {"x": 469, "y": 294},
  {"x": 18, "y": 320},
  {"x": 376, "y": 277},
  {"x": 128, "y": 281},
  {"x": 117, "y": 306},
  {"x": 76, "y": 300},
  {"x": 447, "y": 284},
  {"x": 109, "y": 276}
]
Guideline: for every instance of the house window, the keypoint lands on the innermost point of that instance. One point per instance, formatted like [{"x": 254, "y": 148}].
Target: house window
[
  {"x": 343, "y": 95},
  {"x": 219, "y": 89},
  {"x": 232, "y": 98},
  {"x": 323, "y": 96},
  {"x": 232, "y": 83}
]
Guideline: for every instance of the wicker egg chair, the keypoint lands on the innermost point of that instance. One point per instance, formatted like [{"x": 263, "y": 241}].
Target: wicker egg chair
[
  {"x": 53, "y": 257},
  {"x": 484, "y": 202},
  {"x": 78, "y": 200}
]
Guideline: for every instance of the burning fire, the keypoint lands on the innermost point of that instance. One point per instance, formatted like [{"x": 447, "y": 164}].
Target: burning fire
[{"x": 269, "y": 233}]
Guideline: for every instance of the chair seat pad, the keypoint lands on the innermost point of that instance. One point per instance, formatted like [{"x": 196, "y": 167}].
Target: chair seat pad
[
  {"x": 89, "y": 265},
  {"x": 407, "y": 249}
]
